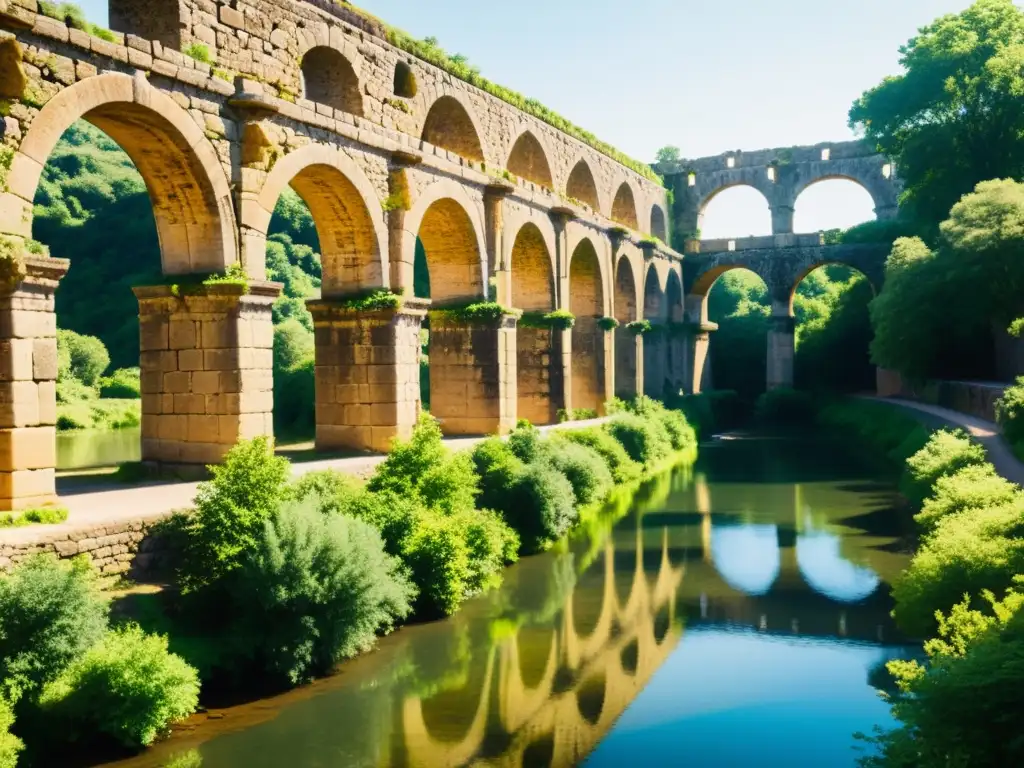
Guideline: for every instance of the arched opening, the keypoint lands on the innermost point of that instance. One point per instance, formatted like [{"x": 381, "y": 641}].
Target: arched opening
[
  {"x": 833, "y": 330},
  {"x": 449, "y": 126},
  {"x": 662, "y": 624},
  {"x": 529, "y": 161},
  {"x": 738, "y": 302},
  {"x": 450, "y": 715},
  {"x": 322, "y": 241},
  {"x": 449, "y": 273},
  {"x": 538, "y": 376},
  {"x": 655, "y": 382},
  {"x": 590, "y": 698},
  {"x": 659, "y": 229},
  {"x": 328, "y": 78},
  {"x": 624, "y": 207},
  {"x": 625, "y": 342},
  {"x": 405, "y": 84},
  {"x": 738, "y": 211},
  {"x": 746, "y": 556},
  {"x": 832, "y": 204},
  {"x": 540, "y": 753},
  {"x": 581, "y": 186},
  {"x": 587, "y": 606},
  {"x": 106, "y": 173},
  {"x": 586, "y": 302}
]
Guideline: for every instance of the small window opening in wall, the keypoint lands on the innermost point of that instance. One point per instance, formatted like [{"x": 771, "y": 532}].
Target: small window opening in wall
[
  {"x": 691, "y": 179},
  {"x": 887, "y": 170},
  {"x": 771, "y": 173},
  {"x": 405, "y": 81},
  {"x": 826, "y": 154},
  {"x": 732, "y": 245},
  {"x": 730, "y": 162}
]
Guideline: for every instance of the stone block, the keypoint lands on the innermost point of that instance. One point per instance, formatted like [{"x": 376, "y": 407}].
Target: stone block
[
  {"x": 44, "y": 359},
  {"x": 19, "y": 404},
  {"x": 47, "y": 391},
  {"x": 16, "y": 359},
  {"x": 206, "y": 382},
  {"x": 203, "y": 428},
  {"x": 177, "y": 382},
  {"x": 190, "y": 404},
  {"x": 154, "y": 333},
  {"x": 26, "y": 488},
  {"x": 191, "y": 360},
  {"x": 182, "y": 334},
  {"x": 28, "y": 447}
]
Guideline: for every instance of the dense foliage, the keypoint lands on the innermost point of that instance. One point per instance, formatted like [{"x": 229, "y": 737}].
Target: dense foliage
[{"x": 70, "y": 676}]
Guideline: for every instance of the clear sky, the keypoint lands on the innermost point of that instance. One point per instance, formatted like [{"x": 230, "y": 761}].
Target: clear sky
[{"x": 705, "y": 75}]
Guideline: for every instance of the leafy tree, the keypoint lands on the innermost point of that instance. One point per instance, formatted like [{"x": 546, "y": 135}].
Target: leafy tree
[
  {"x": 669, "y": 157},
  {"x": 955, "y": 116},
  {"x": 86, "y": 357}
]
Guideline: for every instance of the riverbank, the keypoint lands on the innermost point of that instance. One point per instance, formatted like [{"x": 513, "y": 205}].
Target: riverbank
[{"x": 962, "y": 587}]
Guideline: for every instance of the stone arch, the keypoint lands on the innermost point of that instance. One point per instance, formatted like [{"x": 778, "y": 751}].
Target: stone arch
[
  {"x": 581, "y": 185},
  {"x": 188, "y": 189},
  {"x": 659, "y": 228},
  {"x": 329, "y": 78},
  {"x": 343, "y": 204},
  {"x": 805, "y": 271},
  {"x": 674, "y": 298},
  {"x": 654, "y": 296},
  {"x": 529, "y": 160},
  {"x": 586, "y": 302},
  {"x": 824, "y": 180},
  {"x": 449, "y": 224},
  {"x": 451, "y": 125},
  {"x": 590, "y": 697},
  {"x": 625, "y": 343},
  {"x": 709, "y": 198},
  {"x": 538, "y": 369},
  {"x": 624, "y": 207}
]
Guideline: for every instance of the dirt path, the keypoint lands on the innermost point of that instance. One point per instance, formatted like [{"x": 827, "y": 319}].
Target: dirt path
[{"x": 985, "y": 432}]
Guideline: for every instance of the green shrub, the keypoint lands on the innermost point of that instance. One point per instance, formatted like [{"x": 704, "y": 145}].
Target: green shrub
[
  {"x": 200, "y": 52},
  {"x": 623, "y": 468},
  {"x": 945, "y": 452},
  {"x": 1010, "y": 412},
  {"x": 231, "y": 510},
  {"x": 51, "y": 611},
  {"x": 526, "y": 442},
  {"x": 497, "y": 468},
  {"x": 86, "y": 355},
  {"x": 128, "y": 687},
  {"x": 491, "y": 544},
  {"x": 396, "y": 517},
  {"x": 295, "y": 399},
  {"x": 784, "y": 407},
  {"x": 123, "y": 384},
  {"x": 409, "y": 460},
  {"x": 10, "y": 745},
  {"x": 334, "y": 490},
  {"x": 681, "y": 435},
  {"x": 315, "y": 589},
  {"x": 541, "y": 506},
  {"x": 962, "y": 708},
  {"x": 964, "y": 555},
  {"x": 586, "y": 471},
  {"x": 450, "y": 486},
  {"x": 71, "y": 390},
  {"x": 974, "y": 487},
  {"x": 881, "y": 428},
  {"x": 438, "y": 558},
  {"x": 646, "y": 441}
]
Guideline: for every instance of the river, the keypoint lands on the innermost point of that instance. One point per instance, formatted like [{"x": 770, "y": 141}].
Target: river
[
  {"x": 737, "y": 615},
  {"x": 94, "y": 448}
]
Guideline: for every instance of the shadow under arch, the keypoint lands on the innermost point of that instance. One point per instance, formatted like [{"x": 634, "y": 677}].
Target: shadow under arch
[
  {"x": 581, "y": 186},
  {"x": 624, "y": 207},
  {"x": 586, "y": 302},
  {"x": 329, "y": 78},
  {"x": 528, "y": 160},
  {"x": 450, "y": 125},
  {"x": 625, "y": 342}
]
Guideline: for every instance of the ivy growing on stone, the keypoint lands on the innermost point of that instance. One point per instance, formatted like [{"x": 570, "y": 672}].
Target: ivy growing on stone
[{"x": 477, "y": 312}]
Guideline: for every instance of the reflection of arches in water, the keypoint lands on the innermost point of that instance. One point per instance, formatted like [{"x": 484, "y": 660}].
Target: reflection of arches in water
[
  {"x": 590, "y": 698},
  {"x": 746, "y": 556},
  {"x": 587, "y": 604},
  {"x": 629, "y": 656},
  {"x": 534, "y": 646},
  {"x": 828, "y": 573},
  {"x": 662, "y": 624},
  {"x": 540, "y": 753}
]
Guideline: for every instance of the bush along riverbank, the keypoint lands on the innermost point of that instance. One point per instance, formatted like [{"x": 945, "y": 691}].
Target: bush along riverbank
[
  {"x": 963, "y": 589},
  {"x": 280, "y": 580}
]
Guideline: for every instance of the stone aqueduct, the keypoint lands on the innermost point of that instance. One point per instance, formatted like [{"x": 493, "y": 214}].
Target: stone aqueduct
[{"x": 307, "y": 94}]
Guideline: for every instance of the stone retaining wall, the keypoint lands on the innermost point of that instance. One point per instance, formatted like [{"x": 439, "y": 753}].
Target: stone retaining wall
[
  {"x": 129, "y": 547},
  {"x": 974, "y": 398}
]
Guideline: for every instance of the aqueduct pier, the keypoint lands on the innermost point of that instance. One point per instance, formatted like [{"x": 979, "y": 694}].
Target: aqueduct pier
[{"x": 386, "y": 150}]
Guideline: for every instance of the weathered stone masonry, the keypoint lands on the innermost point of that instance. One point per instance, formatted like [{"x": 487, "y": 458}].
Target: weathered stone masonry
[{"x": 384, "y": 149}]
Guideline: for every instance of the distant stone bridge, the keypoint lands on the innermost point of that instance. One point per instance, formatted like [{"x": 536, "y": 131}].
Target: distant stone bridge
[
  {"x": 385, "y": 149},
  {"x": 783, "y": 258}
]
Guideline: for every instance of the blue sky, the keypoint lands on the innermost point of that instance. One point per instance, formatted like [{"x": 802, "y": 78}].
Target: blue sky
[{"x": 706, "y": 76}]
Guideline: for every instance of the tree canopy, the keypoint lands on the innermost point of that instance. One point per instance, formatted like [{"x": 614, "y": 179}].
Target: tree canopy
[{"x": 955, "y": 116}]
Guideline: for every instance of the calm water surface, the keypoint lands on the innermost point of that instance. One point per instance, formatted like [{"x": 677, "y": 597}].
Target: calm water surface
[
  {"x": 736, "y": 616},
  {"x": 86, "y": 449}
]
